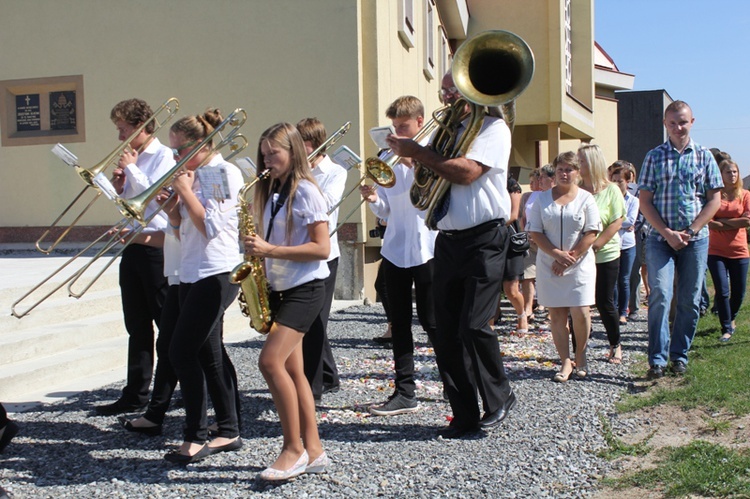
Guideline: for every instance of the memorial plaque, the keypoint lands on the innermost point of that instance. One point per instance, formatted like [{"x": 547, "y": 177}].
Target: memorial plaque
[
  {"x": 28, "y": 114},
  {"x": 62, "y": 110}
]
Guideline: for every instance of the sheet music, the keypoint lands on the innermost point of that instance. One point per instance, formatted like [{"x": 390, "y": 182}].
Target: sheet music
[
  {"x": 346, "y": 158},
  {"x": 64, "y": 154},
  {"x": 214, "y": 180}
]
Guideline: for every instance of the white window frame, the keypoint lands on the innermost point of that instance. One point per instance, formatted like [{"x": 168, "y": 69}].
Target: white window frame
[
  {"x": 445, "y": 53},
  {"x": 429, "y": 39},
  {"x": 568, "y": 49},
  {"x": 406, "y": 26}
]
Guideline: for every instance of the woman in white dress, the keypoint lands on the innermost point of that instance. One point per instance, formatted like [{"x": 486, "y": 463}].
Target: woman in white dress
[{"x": 564, "y": 222}]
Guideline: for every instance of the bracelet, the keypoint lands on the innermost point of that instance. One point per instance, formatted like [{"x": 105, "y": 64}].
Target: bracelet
[{"x": 175, "y": 227}]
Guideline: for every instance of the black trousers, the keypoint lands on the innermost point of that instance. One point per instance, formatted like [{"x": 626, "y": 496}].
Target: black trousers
[
  {"x": 320, "y": 366},
  {"x": 468, "y": 278},
  {"x": 143, "y": 288},
  {"x": 3, "y": 417},
  {"x": 382, "y": 290},
  {"x": 606, "y": 281},
  {"x": 198, "y": 356},
  {"x": 398, "y": 282}
]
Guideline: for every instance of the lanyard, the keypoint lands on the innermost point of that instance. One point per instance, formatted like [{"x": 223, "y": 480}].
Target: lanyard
[{"x": 277, "y": 204}]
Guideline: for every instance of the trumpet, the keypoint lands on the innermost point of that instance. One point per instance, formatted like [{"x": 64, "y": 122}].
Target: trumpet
[
  {"x": 380, "y": 171},
  {"x": 170, "y": 106},
  {"x": 133, "y": 209}
]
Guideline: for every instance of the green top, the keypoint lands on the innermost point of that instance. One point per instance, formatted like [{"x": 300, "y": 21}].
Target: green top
[{"x": 611, "y": 205}]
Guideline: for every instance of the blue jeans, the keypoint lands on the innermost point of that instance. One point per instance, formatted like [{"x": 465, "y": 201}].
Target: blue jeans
[
  {"x": 627, "y": 258},
  {"x": 663, "y": 262},
  {"x": 726, "y": 273}
]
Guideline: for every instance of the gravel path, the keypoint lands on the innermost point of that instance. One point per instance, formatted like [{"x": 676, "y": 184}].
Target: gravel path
[{"x": 546, "y": 448}]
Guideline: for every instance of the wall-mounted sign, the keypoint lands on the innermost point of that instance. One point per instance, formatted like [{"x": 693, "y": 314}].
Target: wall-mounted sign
[
  {"x": 62, "y": 110},
  {"x": 28, "y": 113}
]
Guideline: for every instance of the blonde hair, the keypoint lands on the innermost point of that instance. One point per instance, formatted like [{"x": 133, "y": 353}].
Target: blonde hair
[
  {"x": 285, "y": 136},
  {"x": 737, "y": 187},
  {"x": 597, "y": 166},
  {"x": 407, "y": 105}
]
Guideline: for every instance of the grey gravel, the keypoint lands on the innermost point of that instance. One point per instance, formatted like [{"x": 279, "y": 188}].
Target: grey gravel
[{"x": 545, "y": 448}]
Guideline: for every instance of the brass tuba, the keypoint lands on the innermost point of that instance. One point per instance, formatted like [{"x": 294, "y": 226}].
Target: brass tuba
[
  {"x": 251, "y": 273},
  {"x": 490, "y": 69}
]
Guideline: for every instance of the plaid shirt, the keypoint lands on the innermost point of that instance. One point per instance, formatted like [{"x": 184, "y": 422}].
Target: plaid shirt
[{"x": 679, "y": 183}]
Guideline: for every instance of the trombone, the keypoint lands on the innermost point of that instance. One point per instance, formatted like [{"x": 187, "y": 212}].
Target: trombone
[
  {"x": 171, "y": 106},
  {"x": 380, "y": 170},
  {"x": 133, "y": 209}
]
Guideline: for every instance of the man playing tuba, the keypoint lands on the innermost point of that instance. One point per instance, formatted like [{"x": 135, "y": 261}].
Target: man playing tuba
[{"x": 469, "y": 260}]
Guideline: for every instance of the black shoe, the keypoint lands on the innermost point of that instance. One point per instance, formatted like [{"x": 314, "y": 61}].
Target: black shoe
[
  {"x": 177, "y": 458},
  {"x": 678, "y": 368},
  {"x": 231, "y": 446},
  {"x": 397, "y": 404},
  {"x": 383, "y": 340},
  {"x": 655, "y": 372},
  {"x": 494, "y": 418},
  {"x": 331, "y": 389},
  {"x": 456, "y": 431},
  {"x": 118, "y": 407},
  {"x": 149, "y": 431},
  {"x": 11, "y": 430}
]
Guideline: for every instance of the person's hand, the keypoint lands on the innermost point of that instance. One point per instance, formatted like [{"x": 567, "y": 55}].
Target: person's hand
[
  {"x": 118, "y": 179},
  {"x": 128, "y": 157},
  {"x": 677, "y": 240},
  {"x": 123, "y": 234},
  {"x": 183, "y": 182},
  {"x": 256, "y": 246},
  {"x": 557, "y": 268},
  {"x": 565, "y": 258},
  {"x": 368, "y": 193},
  {"x": 406, "y": 148}
]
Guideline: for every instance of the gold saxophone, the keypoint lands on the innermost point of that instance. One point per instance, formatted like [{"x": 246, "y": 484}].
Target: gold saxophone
[{"x": 251, "y": 274}]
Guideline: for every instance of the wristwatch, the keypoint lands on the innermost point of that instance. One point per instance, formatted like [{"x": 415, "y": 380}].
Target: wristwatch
[{"x": 690, "y": 232}]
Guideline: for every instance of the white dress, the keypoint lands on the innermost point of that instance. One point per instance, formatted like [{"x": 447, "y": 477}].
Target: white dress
[{"x": 564, "y": 226}]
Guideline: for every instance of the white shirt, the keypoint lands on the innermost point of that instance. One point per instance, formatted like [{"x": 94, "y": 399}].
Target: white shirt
[
  {"x": 487, "y": 197},
  {"x": 627, "y": 238},
  {"x": 408, "y": 242},
  {"x": 308, "y": 206},
  {"x": 219, "y": 251},
  {"x": 331, "y": 179},
  {"x": 152, "y": 164}
]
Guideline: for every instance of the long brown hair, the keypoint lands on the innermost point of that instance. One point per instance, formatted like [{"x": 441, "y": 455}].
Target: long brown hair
[{"x": 285, "y": 136}]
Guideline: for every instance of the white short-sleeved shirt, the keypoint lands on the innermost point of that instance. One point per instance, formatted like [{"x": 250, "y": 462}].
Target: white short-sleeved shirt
[
  {"x": 408, "y": 242},
  {"x": 308, "y": 206},
  {"x": 218, "y": 251},
  {"x": 487, "y": 197},
  {"x": 331, "y": 179},
  {"x": 152, "y": 164}
]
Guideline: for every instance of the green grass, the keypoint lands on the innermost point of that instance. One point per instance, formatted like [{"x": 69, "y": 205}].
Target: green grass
[
  {"x": 617, "y": 448},
  {"x": 717, "y": 381},
  {"x": 699, "y": 468},
  {"x": 718, "y": 376}
]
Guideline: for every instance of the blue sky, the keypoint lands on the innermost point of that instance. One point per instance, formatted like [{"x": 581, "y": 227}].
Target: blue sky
[{"x": 696, "y": 50}]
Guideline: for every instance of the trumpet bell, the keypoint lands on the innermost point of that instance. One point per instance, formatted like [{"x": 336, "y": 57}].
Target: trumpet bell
[
  {"x": 380, "y": 172},
  {"x": 493, "y": 68}
]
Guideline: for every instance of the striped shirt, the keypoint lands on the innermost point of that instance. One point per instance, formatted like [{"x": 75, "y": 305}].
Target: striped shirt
[{"x": 680, "y": 183}]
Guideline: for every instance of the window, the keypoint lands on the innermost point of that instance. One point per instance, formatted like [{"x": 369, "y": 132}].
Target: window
[
  {"x": 445, "y": 53},
  {"x": 429, "y": 40},
  {"x": 568, "y": 51},
  {"x": 406, "y": 22}
]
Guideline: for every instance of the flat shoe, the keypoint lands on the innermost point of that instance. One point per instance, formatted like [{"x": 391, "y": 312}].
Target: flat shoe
[
  {"x": 560, "y": 377},
  {"x": 177, "y": 458},
  {"x": 11, "y": 430},
  {"x": 319, "y": 465},
  {"x": 149, "y": 431},
  {"x": 274, "y": 475},
  {"x": 382, "y": 340},
  {"x": 581, "y": 372},
  {"x": 231, "y": 446}
]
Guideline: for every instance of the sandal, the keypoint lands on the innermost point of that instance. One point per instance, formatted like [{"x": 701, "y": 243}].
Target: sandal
[
  {"x": 559, "y": 377},
  {"x": 581, "y": 372},
  {"x": 613, "y": 358},
  {"x": 727, "y": 335}
]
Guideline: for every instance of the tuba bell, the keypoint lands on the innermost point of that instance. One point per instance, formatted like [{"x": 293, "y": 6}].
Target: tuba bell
[{"x": 490, "y": 70}]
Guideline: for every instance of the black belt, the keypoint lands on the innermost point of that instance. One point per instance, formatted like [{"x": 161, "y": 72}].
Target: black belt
[{"x": 473, "y": 231}]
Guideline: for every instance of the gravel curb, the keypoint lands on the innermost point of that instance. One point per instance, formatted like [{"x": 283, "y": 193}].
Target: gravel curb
[{"x": 546, "y": 448}]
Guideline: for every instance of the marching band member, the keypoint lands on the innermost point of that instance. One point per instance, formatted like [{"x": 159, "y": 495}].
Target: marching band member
[
  {"x": 293, "y": 239},
  {"x": 207, "y": 223},
  {"x": 408, "y": 249},
  {"x": 142, "y": 282},
  {"x": 320, "y": 366},
  {"x": 469, "y": 261}
]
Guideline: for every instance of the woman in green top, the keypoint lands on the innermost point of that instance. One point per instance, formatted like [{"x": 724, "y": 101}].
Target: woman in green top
[{"x": 607, "y": 244}]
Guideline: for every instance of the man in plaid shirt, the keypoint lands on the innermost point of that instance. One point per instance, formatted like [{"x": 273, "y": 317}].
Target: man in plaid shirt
[{"x": 680, "y": 187}]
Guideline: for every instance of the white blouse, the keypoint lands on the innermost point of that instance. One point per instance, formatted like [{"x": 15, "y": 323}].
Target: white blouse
[
  {"x": 219, "y": 250},
  {"x": 308, "y": 206},
  {"x": 152, "y": 164}
]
